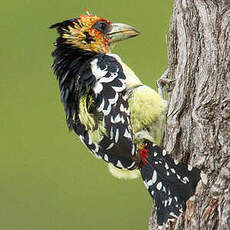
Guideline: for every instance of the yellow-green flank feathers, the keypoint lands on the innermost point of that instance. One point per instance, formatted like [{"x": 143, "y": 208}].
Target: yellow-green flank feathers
[
  {"x": 88, "y": 120},
  {"x": 146, "y": 107}
]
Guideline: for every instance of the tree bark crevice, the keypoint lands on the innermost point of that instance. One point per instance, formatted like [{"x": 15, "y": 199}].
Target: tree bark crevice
[{"x": 197, "y": 129}]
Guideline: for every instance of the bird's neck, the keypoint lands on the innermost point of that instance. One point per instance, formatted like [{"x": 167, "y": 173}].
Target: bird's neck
[
  {"x": 67, "y": 65},
  {"x": 67, "y": 58}
]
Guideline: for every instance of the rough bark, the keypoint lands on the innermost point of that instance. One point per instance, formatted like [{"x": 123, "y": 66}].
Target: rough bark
[{"x": 198, "y": 120}]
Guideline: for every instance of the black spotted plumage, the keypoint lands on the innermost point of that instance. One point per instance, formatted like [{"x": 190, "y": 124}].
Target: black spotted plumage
[
  {"x": 170, "y": 183},
  {"x": 109, "y": 93},
  {"x": 73, "y": 68},
  {"x": 94, "y": 84}
]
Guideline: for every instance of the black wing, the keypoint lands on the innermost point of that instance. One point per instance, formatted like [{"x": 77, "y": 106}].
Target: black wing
[{"x": 109, "y": 89}]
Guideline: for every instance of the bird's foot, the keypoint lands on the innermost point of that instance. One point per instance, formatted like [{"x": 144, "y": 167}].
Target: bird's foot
[{"x": 164, "y": 84}]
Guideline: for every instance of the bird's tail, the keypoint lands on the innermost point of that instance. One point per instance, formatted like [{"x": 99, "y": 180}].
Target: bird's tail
[{"x": 170, "y": 184}]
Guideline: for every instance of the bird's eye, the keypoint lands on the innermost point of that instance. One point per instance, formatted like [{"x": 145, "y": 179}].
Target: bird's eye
[{"x": 102, "y": 26}]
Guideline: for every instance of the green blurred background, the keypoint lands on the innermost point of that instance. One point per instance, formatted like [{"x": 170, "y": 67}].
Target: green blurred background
[{"x": 48, "y": 179}]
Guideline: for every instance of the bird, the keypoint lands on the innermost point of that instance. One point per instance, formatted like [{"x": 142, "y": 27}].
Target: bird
[{"x": 115, "y": 115}]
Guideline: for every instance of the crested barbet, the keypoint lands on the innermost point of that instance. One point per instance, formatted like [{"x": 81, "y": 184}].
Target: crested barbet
[{"x": 114, "y": 114}]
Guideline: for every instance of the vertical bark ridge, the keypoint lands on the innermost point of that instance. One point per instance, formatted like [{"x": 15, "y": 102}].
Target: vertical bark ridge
[{"x": 198, "y": 120}]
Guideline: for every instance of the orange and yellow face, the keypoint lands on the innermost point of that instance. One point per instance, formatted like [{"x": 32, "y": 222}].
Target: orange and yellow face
[
  {"x": 92, "y": 33},
  {"x": 84, "y": 34}
]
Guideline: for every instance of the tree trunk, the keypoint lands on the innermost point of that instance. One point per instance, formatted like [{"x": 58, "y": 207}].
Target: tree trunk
[{"x": 198, "y": 120}]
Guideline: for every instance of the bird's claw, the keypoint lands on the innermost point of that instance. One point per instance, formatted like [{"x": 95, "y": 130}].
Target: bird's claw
[{"x": 164, "y": 84}]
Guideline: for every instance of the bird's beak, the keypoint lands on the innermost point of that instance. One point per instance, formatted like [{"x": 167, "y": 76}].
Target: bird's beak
[{"x": 120, "y": 31}]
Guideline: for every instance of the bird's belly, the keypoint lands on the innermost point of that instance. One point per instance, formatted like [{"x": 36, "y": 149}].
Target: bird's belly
[{"x": 147, "y": 109}]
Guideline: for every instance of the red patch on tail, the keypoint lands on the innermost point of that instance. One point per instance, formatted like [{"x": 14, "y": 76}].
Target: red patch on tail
[{"x": 143, "y": 153}]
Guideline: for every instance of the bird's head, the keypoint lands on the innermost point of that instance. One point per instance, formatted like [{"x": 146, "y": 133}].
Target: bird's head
[{"x": 92, "y": 33}]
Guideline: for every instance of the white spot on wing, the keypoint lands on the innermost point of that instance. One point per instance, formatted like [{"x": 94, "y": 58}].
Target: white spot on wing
[
  {"x": 123, "y": 81},
  {"x": 110, "y": 146},
  {"x": 159, "y": 186},
  {"x": 117, "y": 136},
  {"x": 111, "y": 133},
  {"x": 96, "y": 148},
  {"x": 106, "y": 158},
  {"x": 81, "y": 138},
  {"x": 118, "y": 89},
  {"x": 123, "y": 109},
  {"x": 164, "y": 152},
  {"x": 131, "y": 165},
  {"x": 133, "y": 150},
  {"x": 189, "y": 168},
  {"x": 170, "y": 200},
  {"x": 154, "y": 177},
  {"x": 173, "y": 214},
  {"x": 112, "y": 120},
  {"x": 114, "y": 100},
  {"x": 107, "y": 111},
  {"x": 122, "y": 120},
  {"x": 165, "y": 204},
  {"x": 150, "y": 183},
  {"x": 127, "y": 134},
  {"x": 108, "y": 79},
  {"x": 119, "y": 164},
  {"x": 166, "y": 166},
  {"x": 117, "y": 118},
  {"x": 97, "y": 72},
  {"x": 101, "y": 107},
  {"x": 185, "y": 179},
  {"x": 125, "y": 97},
  {"x": 98, "y": 87},
  {"x": 90, "y": 141}
]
